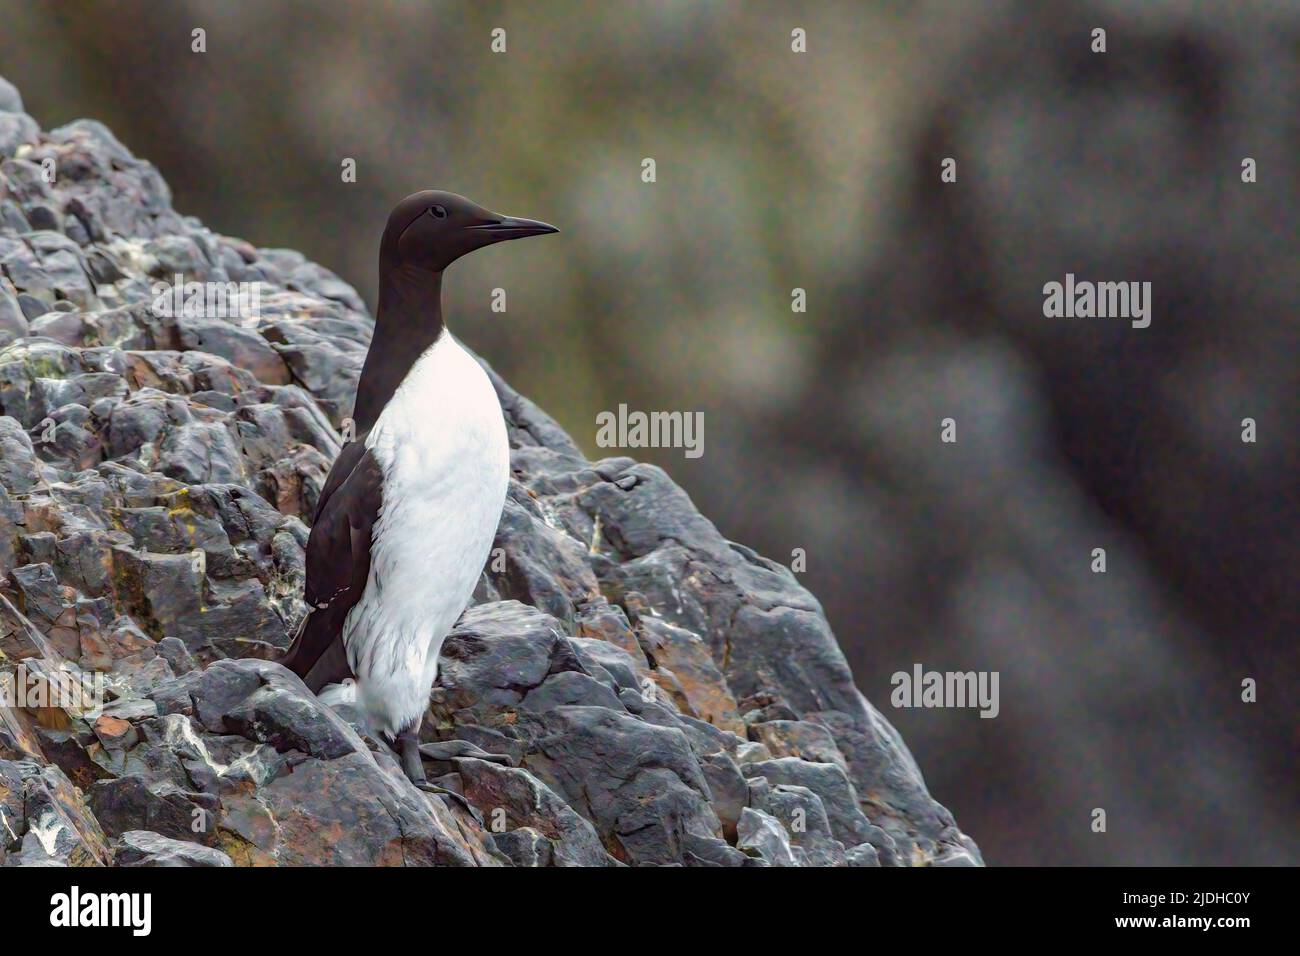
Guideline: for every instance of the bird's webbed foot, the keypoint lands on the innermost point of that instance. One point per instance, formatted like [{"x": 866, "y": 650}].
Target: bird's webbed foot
[{"x": 407, "y": 746}]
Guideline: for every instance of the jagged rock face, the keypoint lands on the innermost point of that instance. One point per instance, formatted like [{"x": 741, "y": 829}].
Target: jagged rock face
[{"x": 628, "y": 688}]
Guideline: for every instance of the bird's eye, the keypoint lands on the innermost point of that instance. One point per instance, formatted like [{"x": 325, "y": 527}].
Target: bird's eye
[{"x": 437, "y": 212}]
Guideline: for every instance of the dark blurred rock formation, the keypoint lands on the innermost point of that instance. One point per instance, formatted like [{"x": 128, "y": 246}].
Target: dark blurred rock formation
[{"x": 1121, "y": 690}]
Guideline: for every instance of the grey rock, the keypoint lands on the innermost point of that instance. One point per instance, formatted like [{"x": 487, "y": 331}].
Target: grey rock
[
  {"x": 543, "y": 566},
  {"x": 570, "y": 687},
  {"x": 524, "y": 846},
  {"x": 797, "y": 738},
  {"x": 47, "y": 820},
  {"x": 11, "y": 100},
  {"x": 520, "y": 801},
  {"x": 829, "y": 781},
  {"x": 640, "y": 784},
  {"x": 200, "y": 452},
  {"x": 144, "y": 848},
  {"x": 498, "y": 653},
  {"x": 19, "y": 467},
  {"x": 13, "y": 323},
  {"x": 760, "y": 834},
  {"x": 803, "y": 815},
  {"x": 129, "y": 803},
  {"x": 33, "y": 307},
  {"x": 240, "y": 346},
  {"x": 728, "y": 791},
  {"x": 16, "y": 129},
  {"x": 864, "y": 854}
]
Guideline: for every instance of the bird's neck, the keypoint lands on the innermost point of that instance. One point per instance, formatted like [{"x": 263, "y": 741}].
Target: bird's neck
[{"x": 407, "y": 322}]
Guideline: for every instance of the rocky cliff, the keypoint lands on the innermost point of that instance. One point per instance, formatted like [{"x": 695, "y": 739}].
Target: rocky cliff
[{"x": 628, "y": 688}]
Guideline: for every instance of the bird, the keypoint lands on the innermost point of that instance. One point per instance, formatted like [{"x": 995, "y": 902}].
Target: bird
[{"x": 408, "y": 513}]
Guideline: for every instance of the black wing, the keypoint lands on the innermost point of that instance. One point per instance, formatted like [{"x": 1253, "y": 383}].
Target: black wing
[{"x": 338, "y": 563}]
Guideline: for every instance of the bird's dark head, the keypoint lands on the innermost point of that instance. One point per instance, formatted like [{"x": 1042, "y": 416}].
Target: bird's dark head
[{"x": 430, "y": 230}]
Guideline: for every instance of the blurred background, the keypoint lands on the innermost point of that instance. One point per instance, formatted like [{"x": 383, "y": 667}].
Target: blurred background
[{"x": 821, "y": 171}]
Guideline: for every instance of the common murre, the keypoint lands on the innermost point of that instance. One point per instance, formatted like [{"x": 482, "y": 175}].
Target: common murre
[{"x": 407, "y": 516}]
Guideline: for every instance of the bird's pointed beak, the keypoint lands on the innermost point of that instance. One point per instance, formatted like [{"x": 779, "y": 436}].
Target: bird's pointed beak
[{"x": 508, "y": 227}]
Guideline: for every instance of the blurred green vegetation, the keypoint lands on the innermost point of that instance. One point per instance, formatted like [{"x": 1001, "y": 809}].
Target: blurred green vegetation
[{"x": 673, "y": 295}]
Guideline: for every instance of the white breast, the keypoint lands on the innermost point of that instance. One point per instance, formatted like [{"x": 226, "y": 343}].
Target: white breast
[{"x": 442, "y": 444}]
